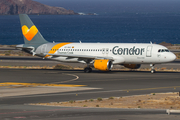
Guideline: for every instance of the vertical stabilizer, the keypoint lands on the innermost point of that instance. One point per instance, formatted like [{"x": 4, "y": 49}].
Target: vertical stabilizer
[{"x": 31, "y": 34}]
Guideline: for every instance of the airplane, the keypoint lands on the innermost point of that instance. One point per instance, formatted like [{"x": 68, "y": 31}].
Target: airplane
[{"x": 101, "y": 56}]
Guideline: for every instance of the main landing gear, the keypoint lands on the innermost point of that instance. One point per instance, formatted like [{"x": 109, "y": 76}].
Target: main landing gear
[
  {"x": 87, "y": 69},
  {"x": 152, "y": 68}
]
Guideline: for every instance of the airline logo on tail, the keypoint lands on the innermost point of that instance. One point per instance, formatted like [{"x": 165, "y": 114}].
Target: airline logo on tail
[{"x": 29, "y": 33}]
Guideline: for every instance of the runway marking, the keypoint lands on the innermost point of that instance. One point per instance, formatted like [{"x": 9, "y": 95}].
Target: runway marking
[
  {"x": 77, "y": 77},
  {"x": 40, "y": 84},
  {"x": 41, "y": 110},
  {"x": 95, "y": 92}
]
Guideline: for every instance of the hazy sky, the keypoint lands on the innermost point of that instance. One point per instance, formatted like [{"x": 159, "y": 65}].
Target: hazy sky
[{"x": 137, "y": 6}]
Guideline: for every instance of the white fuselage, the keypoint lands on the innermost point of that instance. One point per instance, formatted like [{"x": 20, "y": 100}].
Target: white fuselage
[{"x": 120, "y": 53}]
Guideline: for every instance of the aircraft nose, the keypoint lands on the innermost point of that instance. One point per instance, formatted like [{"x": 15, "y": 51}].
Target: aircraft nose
[{"x": 172, "y": 57}]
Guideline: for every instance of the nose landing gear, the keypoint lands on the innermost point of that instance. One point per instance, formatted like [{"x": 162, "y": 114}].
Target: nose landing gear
[{"x": 152, "y": 68}]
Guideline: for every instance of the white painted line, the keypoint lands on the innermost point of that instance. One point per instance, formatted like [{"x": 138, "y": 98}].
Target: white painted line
[
  {"x": 39, "y": 91},
  {"x": 77, "y": 77},
  {"x": 168, "y": 111}
]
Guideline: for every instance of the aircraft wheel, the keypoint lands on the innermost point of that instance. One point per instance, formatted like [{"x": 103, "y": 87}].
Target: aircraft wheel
[
  {"x": 87, "y": 70},
  {"x": 152, "y": 71},
  {"x": 152, "y": 68}
]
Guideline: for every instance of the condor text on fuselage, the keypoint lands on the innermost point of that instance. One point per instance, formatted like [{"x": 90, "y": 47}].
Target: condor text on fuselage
[{"x": 127, "y": 51}]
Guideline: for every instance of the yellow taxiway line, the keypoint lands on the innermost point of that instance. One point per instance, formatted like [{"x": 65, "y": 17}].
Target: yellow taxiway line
[{"x": 40, "y": 84}]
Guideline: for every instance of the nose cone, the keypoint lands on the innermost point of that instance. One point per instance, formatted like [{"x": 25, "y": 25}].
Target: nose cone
[{"x": 172, "y": 57}]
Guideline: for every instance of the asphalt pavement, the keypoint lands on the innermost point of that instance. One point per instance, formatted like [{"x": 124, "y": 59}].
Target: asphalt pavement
[{"x": 105, "y": 84}]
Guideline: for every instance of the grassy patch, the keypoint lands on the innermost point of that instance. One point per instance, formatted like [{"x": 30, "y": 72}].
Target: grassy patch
[
  {"x": 84, "y": 105},
  {"x": 71, "y": 101},
  {"x": 111, "y": 97},
  {"x": 99, "y": 99},
  {"x": 97, "y": 105}
]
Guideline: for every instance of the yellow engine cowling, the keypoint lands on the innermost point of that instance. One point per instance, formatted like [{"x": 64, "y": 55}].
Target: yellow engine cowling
[
  {"x": 132, "y": 66},
  {"x": 103, "y": 65}
]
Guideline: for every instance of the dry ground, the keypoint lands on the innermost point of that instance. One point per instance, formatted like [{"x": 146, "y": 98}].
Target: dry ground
[{"x": 150, "y": 101}]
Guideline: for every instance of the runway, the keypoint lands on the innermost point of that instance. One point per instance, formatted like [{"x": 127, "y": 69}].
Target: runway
[{"x": 96, "y": 84}]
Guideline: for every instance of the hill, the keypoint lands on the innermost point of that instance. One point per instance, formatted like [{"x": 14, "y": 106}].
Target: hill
[{"x": 13, "y": 7}]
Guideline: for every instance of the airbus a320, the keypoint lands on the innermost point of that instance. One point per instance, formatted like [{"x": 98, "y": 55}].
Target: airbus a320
[{"x": 101, "y": 56}]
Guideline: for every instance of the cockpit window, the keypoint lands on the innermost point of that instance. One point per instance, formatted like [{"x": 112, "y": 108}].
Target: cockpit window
[
  {"x": 166, "y": 50},
  {"x": 163, "y": 50}
]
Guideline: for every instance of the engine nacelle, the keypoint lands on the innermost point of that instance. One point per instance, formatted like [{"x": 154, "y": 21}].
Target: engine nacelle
[
  {"x": 132, "y": 66},
  {"x": 103, "y": 65}
]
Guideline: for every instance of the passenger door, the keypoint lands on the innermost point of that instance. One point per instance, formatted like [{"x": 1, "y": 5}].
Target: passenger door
[{"x": 149, "y": 51}]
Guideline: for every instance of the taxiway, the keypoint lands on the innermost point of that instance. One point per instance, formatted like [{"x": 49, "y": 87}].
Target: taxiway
[{"x": 96, "y": 84}]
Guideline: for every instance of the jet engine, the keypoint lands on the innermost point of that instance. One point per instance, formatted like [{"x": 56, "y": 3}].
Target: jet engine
[
  {"x": 104, "y": 64},
  {"x": 132, "y": 66}
]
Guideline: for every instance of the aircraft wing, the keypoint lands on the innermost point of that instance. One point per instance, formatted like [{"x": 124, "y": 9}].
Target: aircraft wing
[{"x": 80, "y": 56}]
